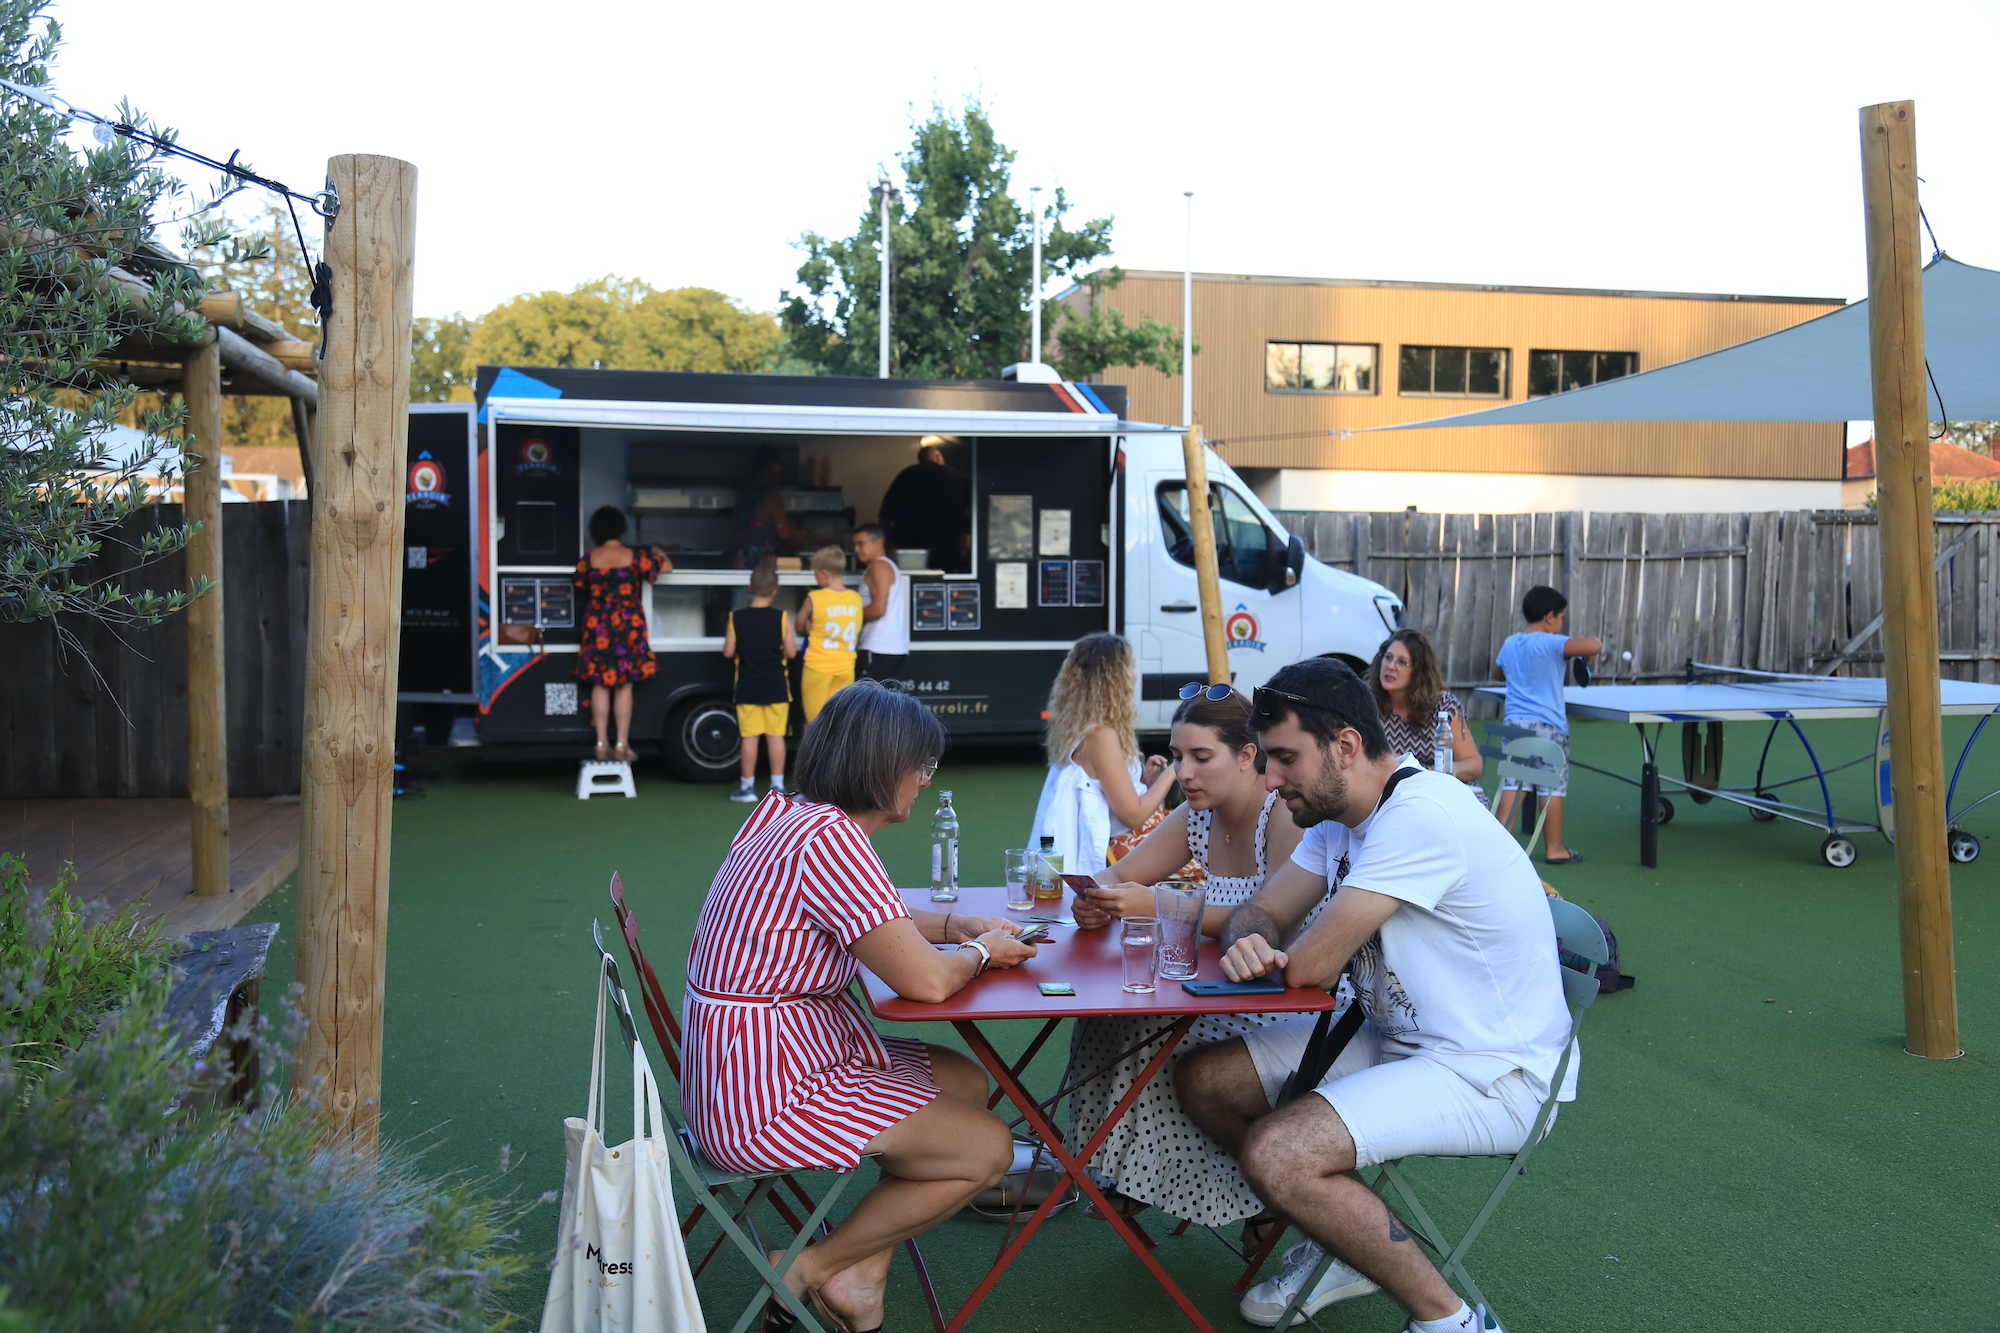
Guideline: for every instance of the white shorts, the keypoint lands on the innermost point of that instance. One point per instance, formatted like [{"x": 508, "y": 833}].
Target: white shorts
[{"x": 1401, "y": 1106}]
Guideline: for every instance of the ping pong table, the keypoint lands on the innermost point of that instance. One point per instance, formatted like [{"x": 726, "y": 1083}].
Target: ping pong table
[{"x": 1715, "y": 695}]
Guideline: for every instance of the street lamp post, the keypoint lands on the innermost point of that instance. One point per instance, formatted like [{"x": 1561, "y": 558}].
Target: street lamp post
[
  {"x": 1035, "y": 287},
  {"x": 885, "y": 194}
]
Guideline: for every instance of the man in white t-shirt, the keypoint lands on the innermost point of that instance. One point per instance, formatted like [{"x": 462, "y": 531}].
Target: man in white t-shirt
[{"x": 1442, "y": 920}]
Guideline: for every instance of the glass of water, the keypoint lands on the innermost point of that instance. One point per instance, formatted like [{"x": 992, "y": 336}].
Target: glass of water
[
  {"x": 1139, "y": 935},
  {"x": 1179, "y": 906},
  {"x": 1020, "y": 891}
]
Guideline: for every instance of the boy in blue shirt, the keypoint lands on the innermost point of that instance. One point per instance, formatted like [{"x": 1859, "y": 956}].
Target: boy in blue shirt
[{"x": 1534, "y": 664}]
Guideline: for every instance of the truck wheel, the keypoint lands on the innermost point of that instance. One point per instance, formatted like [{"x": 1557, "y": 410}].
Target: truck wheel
[{"x": 701, "y": 742}]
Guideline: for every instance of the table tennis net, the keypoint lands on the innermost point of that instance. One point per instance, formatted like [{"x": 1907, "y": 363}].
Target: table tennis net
[{"x": 1825, "y": 689}]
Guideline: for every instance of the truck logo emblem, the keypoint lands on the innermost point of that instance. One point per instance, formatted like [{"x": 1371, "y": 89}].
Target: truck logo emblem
[
  {"x": 537, "y": 457},
  {"x": 427, "y": 483},
  {"x": 1241, "y": 629}
]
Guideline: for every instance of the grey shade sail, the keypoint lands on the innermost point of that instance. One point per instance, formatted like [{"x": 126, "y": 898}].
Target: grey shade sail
[{"x": 1815, "y": 371}]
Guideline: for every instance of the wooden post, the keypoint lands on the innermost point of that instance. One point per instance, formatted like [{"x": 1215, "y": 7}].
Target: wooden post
[
  {"x": 352, "y": 633},
  {"x": 302, "y": 427},
  {"x": 208, "y": 735},
  {"x": 1207, "y": 581},
  {"x": 1909, "y": 591}
]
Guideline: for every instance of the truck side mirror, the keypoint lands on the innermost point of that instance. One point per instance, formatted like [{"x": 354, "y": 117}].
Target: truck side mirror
[{"x": 1284, "y": 562}]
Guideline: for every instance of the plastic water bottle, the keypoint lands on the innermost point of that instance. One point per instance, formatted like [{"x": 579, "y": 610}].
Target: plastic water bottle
[
  {"x": 1441, "y": 744},
  {"x": 1048, "y": 872},
  {"x": 944, "y": 852}
]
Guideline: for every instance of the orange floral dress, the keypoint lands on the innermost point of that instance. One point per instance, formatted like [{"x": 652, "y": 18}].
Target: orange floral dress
[{"x": 615, "y": 649}]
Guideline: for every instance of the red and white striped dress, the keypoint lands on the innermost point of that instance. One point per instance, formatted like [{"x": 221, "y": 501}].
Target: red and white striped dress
[{"x": 782, "y": 1070}]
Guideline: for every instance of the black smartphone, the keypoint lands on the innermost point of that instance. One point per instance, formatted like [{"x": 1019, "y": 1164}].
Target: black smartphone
[{"x": 1261, "y": 986}]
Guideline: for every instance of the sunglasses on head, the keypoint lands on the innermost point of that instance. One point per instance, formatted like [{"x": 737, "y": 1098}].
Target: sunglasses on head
[
  {"x": 1215, "y": 694},
  {"x": 1267, "y": 702}
]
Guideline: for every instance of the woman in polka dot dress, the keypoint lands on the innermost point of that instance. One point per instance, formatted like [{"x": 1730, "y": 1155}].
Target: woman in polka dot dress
[{"x": 1236, "y": 831}]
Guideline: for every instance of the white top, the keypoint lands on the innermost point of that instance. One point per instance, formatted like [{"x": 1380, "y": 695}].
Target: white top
[
  {"x": 1074, "y": 812},
  {"x": 890, "y": 633},
  {"x": 1465, "y": 971}
]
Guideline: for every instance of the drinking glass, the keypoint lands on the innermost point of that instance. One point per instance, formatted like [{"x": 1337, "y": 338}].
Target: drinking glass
[
  {"x": 1139, "y": 936},
  {"x": 1020, "y": 893},
  {"x": 1179, "y": 905}
]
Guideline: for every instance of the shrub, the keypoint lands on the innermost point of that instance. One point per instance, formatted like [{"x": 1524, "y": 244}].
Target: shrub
[
  {"x": 75, "y": 963},
  {"x": 121, "y": 1207},
  {"x": 1963, "y": 494}
]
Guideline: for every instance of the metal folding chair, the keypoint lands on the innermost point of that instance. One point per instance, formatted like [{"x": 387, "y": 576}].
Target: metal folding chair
[
  {"x": 1531, "y": 760},
  {"x": 1580, "y": 938},
  {"x": 719, "y": 1194}
]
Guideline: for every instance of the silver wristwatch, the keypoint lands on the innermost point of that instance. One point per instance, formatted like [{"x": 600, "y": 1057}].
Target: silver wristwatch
[{"x": 985, "y": 954}]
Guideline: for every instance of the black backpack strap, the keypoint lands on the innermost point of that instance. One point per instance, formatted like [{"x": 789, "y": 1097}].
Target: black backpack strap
[{"x": 1330, "y": 1037}]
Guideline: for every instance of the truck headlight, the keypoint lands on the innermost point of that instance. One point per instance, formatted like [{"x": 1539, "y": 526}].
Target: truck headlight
[{"x": 1391, "y": 612}]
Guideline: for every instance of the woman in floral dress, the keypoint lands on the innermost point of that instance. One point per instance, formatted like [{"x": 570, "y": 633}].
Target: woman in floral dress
[{"x": 615, "y": 652}]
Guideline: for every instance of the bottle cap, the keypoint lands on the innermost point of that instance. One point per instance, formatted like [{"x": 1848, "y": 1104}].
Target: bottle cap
[{"x": 1048, "y": 840}]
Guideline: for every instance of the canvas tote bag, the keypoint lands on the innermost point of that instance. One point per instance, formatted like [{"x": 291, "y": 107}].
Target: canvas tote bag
[{"x": 620, "y": 1266}]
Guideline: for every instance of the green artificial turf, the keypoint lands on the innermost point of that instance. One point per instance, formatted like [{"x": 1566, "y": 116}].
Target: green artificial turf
[{"x": 1752, "y": 1148}]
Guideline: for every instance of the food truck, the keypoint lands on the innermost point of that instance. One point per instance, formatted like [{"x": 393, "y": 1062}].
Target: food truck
[{"x": 1073, "y": 520}]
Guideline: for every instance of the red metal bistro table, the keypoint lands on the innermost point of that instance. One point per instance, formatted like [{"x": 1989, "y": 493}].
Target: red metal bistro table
[{"x": 1090, "y": 960}]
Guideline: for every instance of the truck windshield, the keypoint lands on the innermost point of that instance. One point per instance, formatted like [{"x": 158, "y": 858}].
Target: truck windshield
[{"x": 1243, "y": 545}]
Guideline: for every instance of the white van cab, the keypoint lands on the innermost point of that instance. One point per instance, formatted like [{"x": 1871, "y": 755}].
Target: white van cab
[{"x": 1046, "y": 516}]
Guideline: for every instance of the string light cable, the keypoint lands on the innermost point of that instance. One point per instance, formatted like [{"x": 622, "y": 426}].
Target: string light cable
[{"x": 326, "y": 203}]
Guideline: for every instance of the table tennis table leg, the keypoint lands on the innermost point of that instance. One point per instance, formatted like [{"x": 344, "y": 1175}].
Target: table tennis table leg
[
  {"x": 1649, "y": 798},
  {"x": 1052, "y": 1141}
]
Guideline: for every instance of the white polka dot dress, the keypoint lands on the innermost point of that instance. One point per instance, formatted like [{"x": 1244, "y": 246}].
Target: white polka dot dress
[{"x": 1156, "y": 1154}]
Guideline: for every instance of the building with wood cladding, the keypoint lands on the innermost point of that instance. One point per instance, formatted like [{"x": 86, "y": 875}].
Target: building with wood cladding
[{"x": 1292, "y": 373}]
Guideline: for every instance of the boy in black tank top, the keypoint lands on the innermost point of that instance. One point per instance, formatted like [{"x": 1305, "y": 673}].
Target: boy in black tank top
[{"x": 760, "y": 640}]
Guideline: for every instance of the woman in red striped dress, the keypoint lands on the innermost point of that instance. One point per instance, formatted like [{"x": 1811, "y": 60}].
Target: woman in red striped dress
[{"x": 783, "y": 1071}]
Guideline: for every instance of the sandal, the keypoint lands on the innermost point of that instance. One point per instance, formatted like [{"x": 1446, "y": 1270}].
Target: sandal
[
  {"x": 624, "y": 753},
  {"x": 1572, "y": 859},
  {"x": 1127, "y": 1207},
  {"x": 1258, "y": 1231},
  {"x": 604, "y": 756},
  {"x": 777, "y": 1317}
]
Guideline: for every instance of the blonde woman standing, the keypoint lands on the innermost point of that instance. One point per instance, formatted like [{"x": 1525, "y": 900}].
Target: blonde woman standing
[{"x": 1097, "y": 788}]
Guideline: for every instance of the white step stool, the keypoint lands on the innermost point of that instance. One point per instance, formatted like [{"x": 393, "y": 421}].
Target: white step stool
[{"x": 600, "y": 777}]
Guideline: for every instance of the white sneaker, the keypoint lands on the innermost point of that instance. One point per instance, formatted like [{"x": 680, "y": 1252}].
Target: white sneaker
[
  {"x": 746, "y": 791},
  {"x": 1264, "y": 1303},
  {"x": 1482, "y": 1321}
]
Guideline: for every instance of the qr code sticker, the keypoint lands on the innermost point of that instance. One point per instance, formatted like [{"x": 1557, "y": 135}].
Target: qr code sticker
[
  {"x": 417, "y": 557},
  {"x": 559, "y": 699}
]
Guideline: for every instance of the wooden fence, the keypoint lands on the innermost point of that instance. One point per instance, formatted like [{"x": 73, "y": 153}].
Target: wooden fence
[
  {"x": 1786, "y": 591},
  {"x": 108, "y": 715}
]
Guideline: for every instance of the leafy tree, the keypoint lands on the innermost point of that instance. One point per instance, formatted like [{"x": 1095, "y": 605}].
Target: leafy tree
[
  {"x": 1088, "y": 344},
  {"x": 624, "y": 324},
  {"x": 1976, "y": 436},
  {"x": 961, "y": 270},
  {"x": 267, "y": 270},
  {"x": 71, "y": 224},
  {"x": 441, "y": 364}
]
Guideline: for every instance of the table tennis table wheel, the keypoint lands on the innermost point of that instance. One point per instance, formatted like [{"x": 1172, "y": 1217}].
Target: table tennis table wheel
[
  {"x": 1964, "y": 847},
  {"x": 1663, "y": 813},
  {"x": 1763, "y": 816},
  {"x": 1838, "y": 852}
]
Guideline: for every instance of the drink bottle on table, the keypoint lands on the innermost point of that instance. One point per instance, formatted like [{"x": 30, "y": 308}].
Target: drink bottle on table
[
  {"x": 944, "y": 852},
  {"x": 1048, "y": 872},
  {"x": 1441, "y": 744}
]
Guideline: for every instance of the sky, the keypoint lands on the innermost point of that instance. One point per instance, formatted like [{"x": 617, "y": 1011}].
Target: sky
[{"x": 1694, "y": 147}]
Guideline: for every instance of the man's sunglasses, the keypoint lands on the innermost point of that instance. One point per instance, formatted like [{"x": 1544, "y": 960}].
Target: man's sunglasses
[
  {"x": 1267, "y": 702},
  {"x": 1215, "y": 694}
]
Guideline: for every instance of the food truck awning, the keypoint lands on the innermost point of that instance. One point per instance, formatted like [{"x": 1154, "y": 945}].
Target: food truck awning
[{"x": 806, "y": 420}]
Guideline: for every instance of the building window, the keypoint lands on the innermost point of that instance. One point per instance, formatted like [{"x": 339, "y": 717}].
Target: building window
[
  {"x": 1559, "y": 372},
  {"x": 1454, "y": 372},
  {"x": 1319, "y": 367}
]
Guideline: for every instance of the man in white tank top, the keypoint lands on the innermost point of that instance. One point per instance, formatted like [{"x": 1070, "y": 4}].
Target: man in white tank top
[{"x": 885, "y": 608}]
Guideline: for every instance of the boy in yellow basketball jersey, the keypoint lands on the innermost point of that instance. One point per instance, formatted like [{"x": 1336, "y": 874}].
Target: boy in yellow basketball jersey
[{"x": 830, "y": 623}]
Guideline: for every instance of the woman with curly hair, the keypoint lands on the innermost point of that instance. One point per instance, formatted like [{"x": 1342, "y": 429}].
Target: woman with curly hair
[
  {"x": 1409, "y": 693},
  {"x": 1097, "y": 789},
  {"x": 615, "y": 652}
]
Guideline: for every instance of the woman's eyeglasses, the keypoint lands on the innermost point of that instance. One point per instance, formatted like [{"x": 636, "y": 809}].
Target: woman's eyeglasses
[
  {"x": 1215, "y": 694},
  {"x": 929, "y": 771}
]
